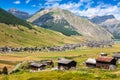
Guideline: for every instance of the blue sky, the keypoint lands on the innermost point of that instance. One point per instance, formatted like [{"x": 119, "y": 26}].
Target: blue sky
[{"x": 79, "y": 7}]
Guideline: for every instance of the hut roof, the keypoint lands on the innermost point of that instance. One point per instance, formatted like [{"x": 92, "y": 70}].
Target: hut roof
[
  {"x": 117, "y": 54},
  {"x": 104, "y": 59},
  {"x": 91, "y": 60},
  {"x": 64, "y": 61},
  {"x": 35, "y": 64}
]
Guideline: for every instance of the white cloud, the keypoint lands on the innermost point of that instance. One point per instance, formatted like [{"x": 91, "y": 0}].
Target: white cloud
[
  {"x": 48, "y": 2},
  {"x": 17, "y": 2},
  {"x": 100, "y": 9},
  {"x": 27, "y": 1}
]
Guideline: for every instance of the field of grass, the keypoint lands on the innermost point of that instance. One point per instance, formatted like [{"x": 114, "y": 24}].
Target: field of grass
[{"x": 79, "y": 55}]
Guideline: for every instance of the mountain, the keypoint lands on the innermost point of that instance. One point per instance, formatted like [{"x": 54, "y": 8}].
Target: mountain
[
  {"x": 109, "y": 22},
  {"x": 19, "y": 14},
  {"x": 17, "y": 32},
  {"x": 69, "y": 24}
]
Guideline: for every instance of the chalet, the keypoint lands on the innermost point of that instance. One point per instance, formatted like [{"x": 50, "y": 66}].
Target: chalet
[
  {"x": 106, "y": 63},
  {"x": 37, "y": 67},
  {"x": 66, "y": 64},
  {"x": 91, "y": 63}
]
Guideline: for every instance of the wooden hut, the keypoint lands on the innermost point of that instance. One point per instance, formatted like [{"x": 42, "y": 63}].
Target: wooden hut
[
  {"x": 90, "y": 63},
  {"x": 66, "y": 64},
  {"x": 105, "y": 62},
  {"x": 37, "y": 67}
]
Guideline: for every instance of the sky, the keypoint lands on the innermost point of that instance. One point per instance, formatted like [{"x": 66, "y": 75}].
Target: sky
[{"x": 79, "y": 7}]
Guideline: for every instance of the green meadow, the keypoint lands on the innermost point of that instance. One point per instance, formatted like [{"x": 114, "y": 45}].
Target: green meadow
[{"x": 80, "y": 55}]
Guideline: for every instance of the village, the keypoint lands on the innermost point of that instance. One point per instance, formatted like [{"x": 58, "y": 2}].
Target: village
[
  {"x": 103, "y": 61},
  {"x": 91, "y": 44}
]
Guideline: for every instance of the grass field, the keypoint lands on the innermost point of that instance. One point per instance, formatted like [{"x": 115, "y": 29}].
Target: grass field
[{"x": 79, "y": 55}]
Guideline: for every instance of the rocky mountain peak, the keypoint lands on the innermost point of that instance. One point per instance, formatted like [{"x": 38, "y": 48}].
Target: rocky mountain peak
[
  {"x": 18, "y": 13},
  {"x": 100, "y": 19}
]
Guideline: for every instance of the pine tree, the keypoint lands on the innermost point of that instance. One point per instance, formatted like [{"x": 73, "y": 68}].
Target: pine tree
[{"x": 5, "y": 70}]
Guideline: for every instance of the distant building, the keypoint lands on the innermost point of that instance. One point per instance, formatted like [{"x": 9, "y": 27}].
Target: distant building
[
  {"x": 66, "y": 64},
  {"x": 91, "y": 63},
  {"x": 106, "y": 63}
]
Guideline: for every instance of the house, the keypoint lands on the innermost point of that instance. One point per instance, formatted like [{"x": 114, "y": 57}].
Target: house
[
  {"x": 37, "y": 67},
  {"x": 90, "y": 63},
  {"x": 66, "y": 64},
  {"x": 49, "y": 63},
  {"x": 116, "y": 55},
  {"x": 106, "y": 63}
]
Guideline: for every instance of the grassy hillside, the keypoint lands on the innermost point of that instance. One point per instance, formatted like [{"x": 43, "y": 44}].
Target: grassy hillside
[{"x": 21, "y": 36}]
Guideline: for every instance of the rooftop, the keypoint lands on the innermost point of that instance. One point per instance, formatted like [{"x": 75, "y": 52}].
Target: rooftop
[
  {"x": 117, "y": 54},
  {"x": 91, "y": 60},
  {"x": 64, "y": 61},
  {"x": 104, "y": 59}
]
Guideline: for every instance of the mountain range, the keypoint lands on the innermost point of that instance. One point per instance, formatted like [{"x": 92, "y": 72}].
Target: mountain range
[
  {"x": 53, "y": 26},
  {"x": 69, "y": 24},
  {"x": 109, "y": 22}
]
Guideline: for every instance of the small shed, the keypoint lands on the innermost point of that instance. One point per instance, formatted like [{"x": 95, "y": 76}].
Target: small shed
[
  {"x": 66, "y": 64},
  {"x": 90, "y": 63},
  {"x": 105, "y": 62},
  {"x": 37, "y": 67},
  {"x": 103, "y": 54}
]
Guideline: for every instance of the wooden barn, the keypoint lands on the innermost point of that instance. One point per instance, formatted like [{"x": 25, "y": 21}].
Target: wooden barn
[
  {"x": 90, "y": 63},
  {"x": 106, "y": 63},
  {"x": 66, "y": 64},
  {"x": 37, "y": 67}
]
